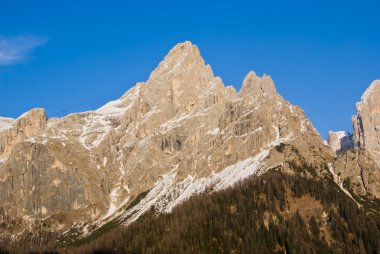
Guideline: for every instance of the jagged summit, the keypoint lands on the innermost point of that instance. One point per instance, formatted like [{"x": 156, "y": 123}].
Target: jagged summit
[
  {"x": 184, "y": 57},
  {"x": 183, "y": 50},
  {"x": 255, "y": 85},
  {"x": 183, "y": 79}
]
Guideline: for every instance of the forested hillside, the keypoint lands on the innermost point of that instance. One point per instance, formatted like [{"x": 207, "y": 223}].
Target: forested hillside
[{"x": 271, "y": 214}]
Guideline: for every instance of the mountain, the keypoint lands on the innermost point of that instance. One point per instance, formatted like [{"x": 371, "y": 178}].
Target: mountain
[
  {"x": 367, "y": 121},
  {"x": 359, "y": 154},
  {"x": 178, "y": 135}
]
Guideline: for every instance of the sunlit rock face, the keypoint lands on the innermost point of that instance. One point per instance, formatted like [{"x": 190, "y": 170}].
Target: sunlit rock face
[
  {"x": 367, "y": 121},
  {"x": 358, "y": 172},
  {"x": 179, "y": 133},
  {"x": 359, "y": 154}
]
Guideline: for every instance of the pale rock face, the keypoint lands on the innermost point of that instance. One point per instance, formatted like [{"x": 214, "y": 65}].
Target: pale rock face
[
  {"x": 254, "y": 85},
  {"x": 340, "y": 141},
  {"x": 179, "y": 133},
  {"x": 357, "y": 170},
  {"x": 28, "y": 125},
  {"x": 367, "y": 121}
]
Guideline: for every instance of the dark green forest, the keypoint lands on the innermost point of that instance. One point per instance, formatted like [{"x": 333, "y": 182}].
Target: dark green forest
[
  {"x": 274, "y": 213},
  {"x": 253, "y": 217}
]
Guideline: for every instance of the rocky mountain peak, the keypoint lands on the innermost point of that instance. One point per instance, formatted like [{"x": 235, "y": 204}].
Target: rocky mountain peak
[
  {"x": 181, "y": 59},
  {"x": 256, "y": 86},
  {"x": 182, "y": 80},
  {"x": 367, "y": 121}
]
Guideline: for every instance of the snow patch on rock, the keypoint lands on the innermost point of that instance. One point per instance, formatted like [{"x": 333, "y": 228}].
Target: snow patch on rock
[
  {"x": 339, "y": 182},
  {"x": 167, "y": 193}
]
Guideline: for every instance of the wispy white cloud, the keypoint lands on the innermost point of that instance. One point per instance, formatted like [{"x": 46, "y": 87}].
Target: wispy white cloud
[{"x": 15, "y": 50}]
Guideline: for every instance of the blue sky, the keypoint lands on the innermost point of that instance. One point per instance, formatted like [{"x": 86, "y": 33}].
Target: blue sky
[{"x": 70, "y": 56}]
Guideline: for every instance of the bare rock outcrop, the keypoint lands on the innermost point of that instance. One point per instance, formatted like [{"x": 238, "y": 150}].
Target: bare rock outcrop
[
  {"x": 367, "y": 121},
  {"x": 358, "y": 172},
  {"x": 28, "y": 125},
  {"x": 357, "y": 164}
]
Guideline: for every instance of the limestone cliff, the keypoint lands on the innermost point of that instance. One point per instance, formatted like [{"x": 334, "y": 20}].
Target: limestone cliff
[
  {"x": 367, "y": 121},
  {"x": 358, "y": 172},
  {"x": 358, "y": 158}
]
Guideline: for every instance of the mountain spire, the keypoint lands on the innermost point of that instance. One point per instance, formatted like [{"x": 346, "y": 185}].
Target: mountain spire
[
  {"x": 367, "y": 121},
  {"x": 184, "y": 57},
  {"x": 182, "y": 78},
  {"x": 255, "y": 85}
]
